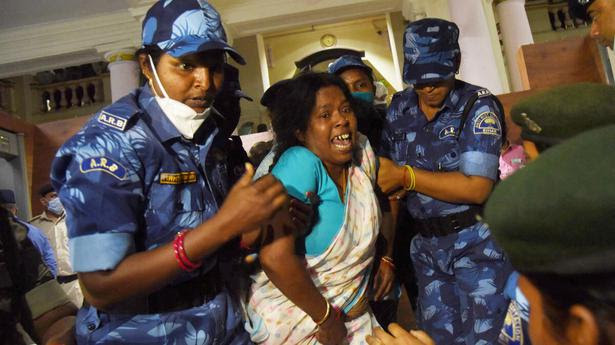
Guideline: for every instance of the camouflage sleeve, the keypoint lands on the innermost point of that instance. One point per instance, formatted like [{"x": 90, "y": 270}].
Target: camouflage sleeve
[
  {"x": 97, "y": 175},
  {"x": 386, "y": 138},
  {"x": 481, "y": 140}
]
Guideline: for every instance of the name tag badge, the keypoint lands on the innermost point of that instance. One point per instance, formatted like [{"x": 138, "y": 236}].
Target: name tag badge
[
  {"x": 183, "y": 177},
  {"x": 103, "y": 164},
  {"x": 111, "y": 120},
  {"x": 399, "y": 136}
]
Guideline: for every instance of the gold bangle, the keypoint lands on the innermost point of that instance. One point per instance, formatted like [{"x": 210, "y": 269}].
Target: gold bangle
[
  {"x": 327, "y": 313},
  {"x": 388, "y": 260},
  {"x": 412, "y": 184}
]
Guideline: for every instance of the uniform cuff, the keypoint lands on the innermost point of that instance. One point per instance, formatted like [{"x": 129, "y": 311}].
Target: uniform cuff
[
  {"x": 99, "y": 252},
  {"x": 476, "y": 163}
]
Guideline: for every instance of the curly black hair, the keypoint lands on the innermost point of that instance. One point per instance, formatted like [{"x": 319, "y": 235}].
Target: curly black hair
[{"x": 293, "y": 108}]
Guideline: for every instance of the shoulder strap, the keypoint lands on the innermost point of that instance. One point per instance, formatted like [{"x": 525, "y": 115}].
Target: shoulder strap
[{"x": 481, "y": 93}]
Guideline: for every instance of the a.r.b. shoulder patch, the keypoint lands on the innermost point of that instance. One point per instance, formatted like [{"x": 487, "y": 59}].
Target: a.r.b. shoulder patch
[
  {"x": 448, "y": 131},
  {"x": 103, "y": 164},
  {"x": 111, "y": 120},
  {"x": 487, "y": 123}
]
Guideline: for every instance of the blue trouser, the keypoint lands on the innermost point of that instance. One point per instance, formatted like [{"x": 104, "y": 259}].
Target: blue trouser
[
  {"x": 215, "y": 322},
  {"x": 461, "y": 279}
]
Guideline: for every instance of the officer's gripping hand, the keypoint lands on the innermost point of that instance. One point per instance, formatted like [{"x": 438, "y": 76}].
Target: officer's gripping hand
[
  {"x": 390, "y": 176},
  {"x": 249, "y": 204}
]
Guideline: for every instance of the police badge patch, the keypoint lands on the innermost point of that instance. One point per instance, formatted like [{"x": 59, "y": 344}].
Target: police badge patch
[
  {"x": 512, "y": 330},
  {"x": 111, "y": 120},
  {"x": 487, "y": 123},
  {"x": 104, "y": 164}
]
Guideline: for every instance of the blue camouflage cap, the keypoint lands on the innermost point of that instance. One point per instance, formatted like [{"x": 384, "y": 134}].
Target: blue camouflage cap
[
  {"x": 431, "y": 48},
  {"x": 182, "y": 27},
  {"x": 346, "y": 62},
  {"x": 7, "y": 196}
]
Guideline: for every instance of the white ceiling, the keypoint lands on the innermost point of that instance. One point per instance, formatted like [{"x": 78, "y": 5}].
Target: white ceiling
[
  {"x": 37, "y": 35},
  {"x": 14, "y": 13}
]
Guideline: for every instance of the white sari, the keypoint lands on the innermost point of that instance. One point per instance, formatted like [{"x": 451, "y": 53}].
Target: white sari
[{"x": 341, "y": 272}]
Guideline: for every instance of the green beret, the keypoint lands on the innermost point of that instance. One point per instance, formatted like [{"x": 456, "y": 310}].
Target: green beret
[
  {"x": 557, "y": 215},
  {"x": 551, "y": 116}
]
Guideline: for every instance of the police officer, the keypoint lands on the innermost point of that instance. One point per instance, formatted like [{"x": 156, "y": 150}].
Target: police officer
[
  {"x": 601, "y": 14},
  {"x": 446, "y": 136},
  {"x": 360, "y": 81},
  {"x": 146, "y": 202},
  {"x": 560, "y": 235}
]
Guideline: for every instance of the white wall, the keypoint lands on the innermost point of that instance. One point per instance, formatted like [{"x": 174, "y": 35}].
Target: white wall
[
  {"x": 250, "y": 80},
  {"x": 369, "y": 35}
]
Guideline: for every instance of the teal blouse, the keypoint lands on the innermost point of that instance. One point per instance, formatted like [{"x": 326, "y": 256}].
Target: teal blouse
[{"x": 301, "y": 171}]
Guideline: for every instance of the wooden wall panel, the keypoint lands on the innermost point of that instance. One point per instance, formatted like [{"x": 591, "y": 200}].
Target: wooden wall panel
[
  {"x": 513, "y": 132},
  {"x": 51, "y": 135},
  {"x": 567, "y": 61}
]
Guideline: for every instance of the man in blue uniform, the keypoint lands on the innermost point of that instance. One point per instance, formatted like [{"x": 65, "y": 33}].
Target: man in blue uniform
[
  {"x": 144, "y": 170},
  {"x": 360, "y": 81},
  {"x": 36, "y": 235},
  {"x": 448, "y": 161}
]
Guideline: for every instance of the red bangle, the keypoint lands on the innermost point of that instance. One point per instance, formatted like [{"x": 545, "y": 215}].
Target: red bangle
[
  {"x": 180, "y": 263},
  {"x": 180, "y": 253}
]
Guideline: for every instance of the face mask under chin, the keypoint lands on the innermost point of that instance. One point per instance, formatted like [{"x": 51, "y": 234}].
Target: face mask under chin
[{"x": 185, "y": 119}]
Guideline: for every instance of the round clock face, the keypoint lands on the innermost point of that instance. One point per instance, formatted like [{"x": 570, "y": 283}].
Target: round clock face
[{"x": 328, "y": 40}]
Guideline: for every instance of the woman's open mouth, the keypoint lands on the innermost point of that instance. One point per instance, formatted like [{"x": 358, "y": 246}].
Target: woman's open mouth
[{"x": 343, "y": 142}]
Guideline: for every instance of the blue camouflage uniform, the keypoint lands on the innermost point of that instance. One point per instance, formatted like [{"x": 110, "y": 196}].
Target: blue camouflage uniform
[
  {"x": 41, "y": 242},
  {"x": 461, "y": 276},
  {"x": 129, "y": 182}
]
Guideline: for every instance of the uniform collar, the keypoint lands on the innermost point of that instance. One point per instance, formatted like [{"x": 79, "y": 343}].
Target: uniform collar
[
  {"x": 451, "y": 101},
  {"x": 45, "y": 216}
]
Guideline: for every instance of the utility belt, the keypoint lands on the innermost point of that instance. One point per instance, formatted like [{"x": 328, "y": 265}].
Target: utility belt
[
  {"x": 192, "y": 293},
  {"x": 447, "y": 225},
  {"x": 66, "y": 279}
]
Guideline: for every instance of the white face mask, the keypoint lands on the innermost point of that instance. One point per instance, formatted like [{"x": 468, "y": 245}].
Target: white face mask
[
  {"x": 185, "y": 119},
  {"x": 55, "y": 206}
]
